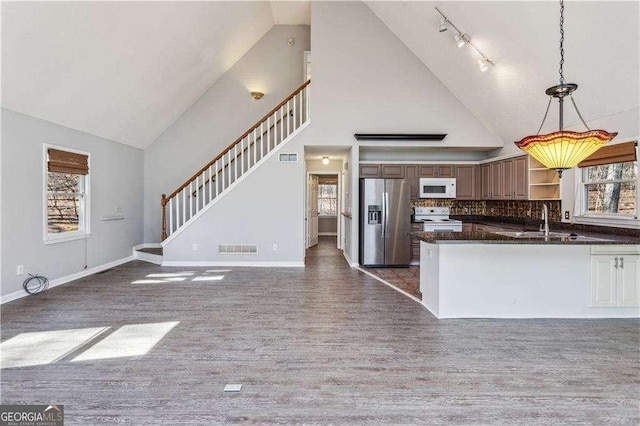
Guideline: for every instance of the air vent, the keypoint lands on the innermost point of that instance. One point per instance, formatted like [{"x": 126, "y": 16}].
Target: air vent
[
  {"x": 288, "y": 158},
  {"x": 237, "y": 249}
]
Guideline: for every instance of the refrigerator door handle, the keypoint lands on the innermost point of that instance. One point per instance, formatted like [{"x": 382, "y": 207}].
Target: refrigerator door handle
[{"x": 385, "y": 197}]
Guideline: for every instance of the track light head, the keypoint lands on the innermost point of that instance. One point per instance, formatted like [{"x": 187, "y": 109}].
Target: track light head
[
  {"x": 461, "y": 39},
  {"x": 444, "y": 25},
  {"x": 483, "y": 64}
]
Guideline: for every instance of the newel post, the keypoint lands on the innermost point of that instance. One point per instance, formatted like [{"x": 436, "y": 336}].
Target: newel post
[{"x": 163, "y": 202}]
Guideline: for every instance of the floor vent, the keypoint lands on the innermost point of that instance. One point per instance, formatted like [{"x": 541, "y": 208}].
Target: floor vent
[{"x": 238, "y": 249}]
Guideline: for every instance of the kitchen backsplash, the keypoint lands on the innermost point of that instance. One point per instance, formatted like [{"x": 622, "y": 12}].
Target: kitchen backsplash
[{"x": 511, "y": 208}]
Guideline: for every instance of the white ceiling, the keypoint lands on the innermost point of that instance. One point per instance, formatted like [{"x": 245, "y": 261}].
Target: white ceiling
[
  {"x": 125, "y": 70},
  {"x": 601, "y": 56}
]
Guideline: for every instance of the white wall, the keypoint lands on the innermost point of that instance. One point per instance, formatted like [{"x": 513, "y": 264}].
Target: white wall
[
  {"x": 116, "y": 180},
  {"x": 223, "y": 113}
]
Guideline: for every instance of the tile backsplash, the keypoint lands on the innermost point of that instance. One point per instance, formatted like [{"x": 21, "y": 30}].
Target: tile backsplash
[{"x": 511, "y": 208}]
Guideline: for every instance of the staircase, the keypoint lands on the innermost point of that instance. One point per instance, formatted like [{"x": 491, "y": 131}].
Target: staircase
[{"x": 246, "y": 153}]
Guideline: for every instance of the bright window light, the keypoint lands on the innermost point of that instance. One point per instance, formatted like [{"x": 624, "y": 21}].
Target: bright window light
[
  {"x": 148, "y": 282},
  {"x": 215, "y": 278},
  {"x": 128, "y": 340},
  {"x": 214, "y": 271},
  {"x": 44, "y": 347},
  {"x": 169, "y": 275}
]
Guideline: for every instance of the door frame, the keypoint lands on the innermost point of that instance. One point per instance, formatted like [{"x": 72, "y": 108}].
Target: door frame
[{"x": 338, "y": 207}]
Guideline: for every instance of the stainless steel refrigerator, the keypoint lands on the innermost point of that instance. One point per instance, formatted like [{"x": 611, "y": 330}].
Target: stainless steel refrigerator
[{"x": 385, "y": 222}]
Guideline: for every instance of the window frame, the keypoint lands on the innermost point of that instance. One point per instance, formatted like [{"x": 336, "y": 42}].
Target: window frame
[
  {"x": 607, "y": 219},
  {"x": 84, "y": 216},
  {"x": 328, "y": 198}
]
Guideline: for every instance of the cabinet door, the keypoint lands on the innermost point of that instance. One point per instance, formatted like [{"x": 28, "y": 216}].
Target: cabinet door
[
  {"x": 369, "y": 170},
  {"x": 392, "y": 171},
  {"x": 446, "y": 171},
  {"x": 415, "y": 243},
  {"x": 465, "y": 182},
  {"x": 603, "y": 281},
  {"x": 467, "y": 227},
  {"x": 428, "y": 170},
  {"x": 411, "y": 176},
  {"x": 496, "y": 180},
  {"x": 485, "y": 178},
  {"x": 507, "y": 179},
  {"x": 628, "y": 288},
  {"x": 520, "y": 178}
]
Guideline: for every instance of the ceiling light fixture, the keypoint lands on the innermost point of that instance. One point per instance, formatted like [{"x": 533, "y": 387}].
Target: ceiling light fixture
[
  {"x": 257, "y": 95},
  {"x": 325, "y": 160},
  {"x": 444, "y": 25},
  {"x": 483, "y": 64},
  {"x": 462, "y": 38},
  {"x": 563, "y": 150}
]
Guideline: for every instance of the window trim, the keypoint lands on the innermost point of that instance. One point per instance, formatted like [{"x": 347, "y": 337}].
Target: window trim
[
  {"x": 329, "y": 198},
  {"x": 604, "y": 219},
  {"x": 85, "y": 218}
]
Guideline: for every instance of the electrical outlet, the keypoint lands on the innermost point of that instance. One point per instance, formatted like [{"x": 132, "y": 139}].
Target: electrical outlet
[
  {"x": 194, "y": 247},
  {"x": 20, "y": 270},
  {"x": 275, "y": 247},
  {"x": 566, "y": 214}
]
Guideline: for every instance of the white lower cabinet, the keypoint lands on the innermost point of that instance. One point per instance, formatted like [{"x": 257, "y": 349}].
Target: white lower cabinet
[{"x": 615, "y": 280}]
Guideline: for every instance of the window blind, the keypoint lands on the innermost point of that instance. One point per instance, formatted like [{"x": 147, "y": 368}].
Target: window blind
[
  {"x": 67, "y": 162},
  {"x": 609, "y": 154}
]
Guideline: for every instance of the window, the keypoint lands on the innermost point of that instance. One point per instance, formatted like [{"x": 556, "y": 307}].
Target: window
[
  {"x": 66, "y": 192},
  {"x": 327, "y": 199},
  {"x": 610, "y": 189}
]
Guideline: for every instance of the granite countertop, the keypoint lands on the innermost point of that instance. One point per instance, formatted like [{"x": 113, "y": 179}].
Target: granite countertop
[{"x": 480, "y": 237}]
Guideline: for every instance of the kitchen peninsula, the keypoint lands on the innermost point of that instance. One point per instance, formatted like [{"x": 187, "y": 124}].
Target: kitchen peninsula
[{"x": 520, "y": 275}]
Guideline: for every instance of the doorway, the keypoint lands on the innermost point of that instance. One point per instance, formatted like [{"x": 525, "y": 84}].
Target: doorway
[{"x": 323, "y": 206}]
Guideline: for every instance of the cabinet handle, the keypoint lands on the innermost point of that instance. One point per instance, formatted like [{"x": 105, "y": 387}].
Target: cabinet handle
[
  {"x": 622, "y": 262},
  {"x": 616, "y": 264}
]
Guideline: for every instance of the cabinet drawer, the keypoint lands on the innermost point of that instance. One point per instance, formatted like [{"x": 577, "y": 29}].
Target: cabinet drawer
[{"x": 615, "y": 249}]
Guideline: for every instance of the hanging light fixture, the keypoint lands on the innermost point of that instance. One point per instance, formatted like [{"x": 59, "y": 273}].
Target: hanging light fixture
[
  {"x": 563, "y": 149},
  {"x": 325, "y": 160}
]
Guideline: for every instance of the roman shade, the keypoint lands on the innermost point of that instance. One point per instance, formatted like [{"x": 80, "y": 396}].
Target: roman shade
[
  {"x": 67, "y": 162},
  {"x": 609, "y": 154}
]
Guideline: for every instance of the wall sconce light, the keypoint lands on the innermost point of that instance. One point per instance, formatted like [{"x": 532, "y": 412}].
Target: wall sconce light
[
  {"x": 325, "y": 160},
  {"x": 257, "y": 95}
]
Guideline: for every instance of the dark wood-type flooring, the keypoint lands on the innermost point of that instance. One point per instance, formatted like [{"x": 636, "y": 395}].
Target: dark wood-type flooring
[{"x": 324, "y": 344}]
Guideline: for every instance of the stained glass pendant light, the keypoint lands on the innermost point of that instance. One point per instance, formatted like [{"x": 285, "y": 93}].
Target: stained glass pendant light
[{"x": 563, "y": 149}]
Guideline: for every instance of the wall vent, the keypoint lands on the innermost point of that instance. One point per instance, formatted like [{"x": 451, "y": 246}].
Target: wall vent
[
  {"x": 237, "y": 249},
  {"x": 288, "y": 158}
]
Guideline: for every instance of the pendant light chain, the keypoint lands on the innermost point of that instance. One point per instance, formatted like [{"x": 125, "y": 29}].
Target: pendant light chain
[{"x": 561, "y": 41}]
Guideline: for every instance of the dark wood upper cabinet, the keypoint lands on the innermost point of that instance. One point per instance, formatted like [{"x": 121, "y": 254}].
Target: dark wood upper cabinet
[
  {"x": 438, "y": 170},
  {"x": 392, "y": 171},
  {"x": 466, "y": 182},
  {"x": 369, "y": 170},
  {"x": 495, "y": 187},
  {"x": 485, "y": 178},
  {"x": 411, "y": 176},
  {"x": 520, "y": 178},
  {"x": 446, "y": 171},
  {"x": 507, "y": 180}
]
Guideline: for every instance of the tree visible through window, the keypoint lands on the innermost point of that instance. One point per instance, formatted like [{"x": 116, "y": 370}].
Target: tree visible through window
[
  {"x": 327, "y": 199},
  {"x": 611, "y": 188}
]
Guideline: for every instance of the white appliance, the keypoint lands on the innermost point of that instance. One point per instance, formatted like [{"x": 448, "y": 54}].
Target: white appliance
[
  {"x": 437, "y": 187},
  {"x": 436, "y": 219}
]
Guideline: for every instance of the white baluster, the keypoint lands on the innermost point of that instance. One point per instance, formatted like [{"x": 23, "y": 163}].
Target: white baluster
[
  {"x": 295, "y": 113},
  {"x": 210, "y": 181},
  {"x": 235, "y": 160},
  {"x": 288, "y": 119},
  {"x": 190, "y": 199},
  {"x": 281, "y": 138},
  {"x": 184, "y": 206},
  {"x": 242, "y": 155},
  {"x": 217, "y": 176},
  {"x": 268, "y": 135},
  {"x": 306, "y": 102},
  {"x": 255, "y": 148},
  {"x": 261, "y": 140}
]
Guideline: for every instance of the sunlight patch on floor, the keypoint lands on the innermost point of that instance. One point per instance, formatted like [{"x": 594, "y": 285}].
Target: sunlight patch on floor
[
  {"x": 44, "y": 347},
  {"x": 127, "y": 341}
]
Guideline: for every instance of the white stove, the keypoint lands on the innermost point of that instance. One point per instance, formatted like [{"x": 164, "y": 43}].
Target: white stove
[{"x": 436, "y": 219}]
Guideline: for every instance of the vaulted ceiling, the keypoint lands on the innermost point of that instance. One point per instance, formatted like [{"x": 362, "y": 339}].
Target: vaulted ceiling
[
  {"x": 522, "y": 39},
  {"x": 125, "y": 70}
]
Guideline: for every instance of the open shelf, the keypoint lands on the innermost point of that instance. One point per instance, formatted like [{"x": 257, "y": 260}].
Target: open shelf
[{"x": 544, "y": 184}]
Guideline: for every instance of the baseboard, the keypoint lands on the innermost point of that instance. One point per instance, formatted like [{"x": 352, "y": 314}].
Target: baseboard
[
  {"x": 352, "y": 264},
  {"x": 238, "y": 264},
  {"x": 63, "y": 280},
  {"x": 327, "y": 234}
]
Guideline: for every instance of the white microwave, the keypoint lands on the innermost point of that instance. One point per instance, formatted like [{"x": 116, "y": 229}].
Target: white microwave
[{"x": 437, "y": 188}]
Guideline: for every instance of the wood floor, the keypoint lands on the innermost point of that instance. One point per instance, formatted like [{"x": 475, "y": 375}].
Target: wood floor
[{"x": 323, "y": 344}]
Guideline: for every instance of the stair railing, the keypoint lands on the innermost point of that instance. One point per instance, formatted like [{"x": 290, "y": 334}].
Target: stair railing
[{"x": 234, "y": 161}]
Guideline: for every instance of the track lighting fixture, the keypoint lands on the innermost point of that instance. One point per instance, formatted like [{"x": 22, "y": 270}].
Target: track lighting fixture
[
  {"x": 444, "y": 26},
  {"x": 462, "y": 38}
]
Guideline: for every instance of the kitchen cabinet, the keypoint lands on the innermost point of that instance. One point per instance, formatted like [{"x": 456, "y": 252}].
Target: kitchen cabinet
[
  {"x": 438, "y": 170},
  {"x": 467, "y": 227},
  {"x": 615, "y": 280},
  {"x": 495, "y": 179},
  {"x": 415, "y": 244},
  {"x": 411, "y": 175},
  {"x": 467, "y": 182},
  {"x": 505, "y": 179},
  {"x": 392, "y": 171},
  {"x": 369, "y": 170},
  {"x": 506, "y": 189},
  {"x": 485, "y": 181},
  {"x": 520, "y": 178}
]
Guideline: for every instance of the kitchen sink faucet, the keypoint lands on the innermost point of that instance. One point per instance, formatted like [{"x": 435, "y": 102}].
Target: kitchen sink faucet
[{"x": 545, "y": 217}]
